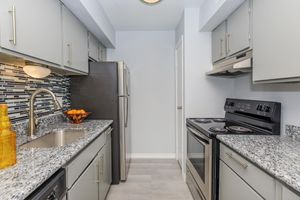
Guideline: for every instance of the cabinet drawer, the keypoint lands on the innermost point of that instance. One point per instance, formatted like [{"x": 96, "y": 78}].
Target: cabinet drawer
[
  {"x": 77, "y": 166},
  {"x": 232, "y": 187},
  {"x": 259, "y": 180},
  {"x": 86, "y": 187}
]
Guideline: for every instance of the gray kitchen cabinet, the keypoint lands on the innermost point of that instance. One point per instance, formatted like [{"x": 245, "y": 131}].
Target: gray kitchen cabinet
[
  {"x": 89, "y": 174},
  {"x": 219, "y": 42},
  {"x": 276, "y": 41},
  {"x": 75, "y": 42},
  {"x": 288, "y": 195},
  {"x": 102, "y": 52},
  {"x": 86, "y": 187},
  {"x": 232, "y": 187},
  {"x": 101, "y": 171},
  {"x": 105, "y": 172},
  {"x": 32, "y": 28},
  {"x": 256, "y": 179},
  {"x": 93, "y": 47},
  {"x": 239, "y": 29},
  {"x": 108, "y": 163}
]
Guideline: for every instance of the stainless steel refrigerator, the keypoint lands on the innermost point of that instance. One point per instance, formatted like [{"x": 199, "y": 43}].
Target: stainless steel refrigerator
[{"x": 105, "y": 92}]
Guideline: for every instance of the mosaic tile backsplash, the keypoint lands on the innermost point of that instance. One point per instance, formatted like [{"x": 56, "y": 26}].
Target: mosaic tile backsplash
[{"x": 16, "y": 88}]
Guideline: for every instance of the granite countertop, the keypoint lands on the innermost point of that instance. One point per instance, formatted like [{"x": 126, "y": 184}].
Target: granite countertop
[
  {"x": 36, "y": 165},
  {"x": 277, "y": 155}
]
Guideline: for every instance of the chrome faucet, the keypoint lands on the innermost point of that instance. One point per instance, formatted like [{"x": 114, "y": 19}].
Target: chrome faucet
[{"x": 32, "y": 120}]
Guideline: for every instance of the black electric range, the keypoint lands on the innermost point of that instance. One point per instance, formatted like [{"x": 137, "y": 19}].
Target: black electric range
[{"x": 241, "y": 117}]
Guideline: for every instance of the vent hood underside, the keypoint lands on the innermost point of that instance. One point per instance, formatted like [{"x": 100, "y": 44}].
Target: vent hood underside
[{"x": 233, "y": 66}]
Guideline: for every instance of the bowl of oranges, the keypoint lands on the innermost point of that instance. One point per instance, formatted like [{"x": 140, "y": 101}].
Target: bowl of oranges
[{"x": 77, "y": 116}]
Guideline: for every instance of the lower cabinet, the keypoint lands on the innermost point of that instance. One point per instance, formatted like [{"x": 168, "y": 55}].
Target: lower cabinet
[
  {"x": 232, "y": 187},
  {"x": 86, "y": 187},
  {"x": 94, "y": 181},
  {"x": 241, "y": 180},
  {"x": 106, "y": 168},
  {"x": 286, "y": 194}
]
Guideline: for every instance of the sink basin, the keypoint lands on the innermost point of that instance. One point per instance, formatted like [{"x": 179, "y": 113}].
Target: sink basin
[{"x": 57, "y": 138}]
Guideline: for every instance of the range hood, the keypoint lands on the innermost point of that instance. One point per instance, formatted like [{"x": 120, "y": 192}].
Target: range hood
[{"x": 233, "y": 66}]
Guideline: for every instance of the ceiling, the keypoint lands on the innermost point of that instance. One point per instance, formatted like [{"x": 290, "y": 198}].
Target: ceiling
[{"x": 133, "y": 15}]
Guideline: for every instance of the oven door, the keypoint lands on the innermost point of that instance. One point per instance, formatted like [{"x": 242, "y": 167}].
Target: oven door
[{"x": 199, "y": 160}]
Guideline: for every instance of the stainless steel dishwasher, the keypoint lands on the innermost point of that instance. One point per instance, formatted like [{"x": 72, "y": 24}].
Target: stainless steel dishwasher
[{"x": 53, "y": 189}]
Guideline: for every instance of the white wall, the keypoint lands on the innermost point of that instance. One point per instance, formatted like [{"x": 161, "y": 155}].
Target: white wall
[
  {"x": 287, "y": 94},
  {"x": 179, "y": 31},
  {"x": 204, "y": 96},
  {"x": 150, "y": 57}
]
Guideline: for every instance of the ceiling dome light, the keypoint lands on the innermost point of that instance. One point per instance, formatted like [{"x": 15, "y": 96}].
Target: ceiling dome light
[
  {"x": 151, "y": 1},
  {"x": 36, "y": 71}
]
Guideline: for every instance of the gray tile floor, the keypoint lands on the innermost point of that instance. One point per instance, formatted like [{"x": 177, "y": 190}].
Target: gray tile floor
[{"x": 152, "y": 180}]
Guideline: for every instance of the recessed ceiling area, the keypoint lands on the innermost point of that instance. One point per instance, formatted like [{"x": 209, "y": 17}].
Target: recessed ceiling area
[{"x": 134, "y": 15}]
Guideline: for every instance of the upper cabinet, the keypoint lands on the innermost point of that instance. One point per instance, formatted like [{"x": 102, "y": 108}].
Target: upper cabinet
[
  {"x": 102, "y": 52},
  {"x": 32, "y": 28},
  {"x": 219, "y": 42},
  {"x": 93, "y": 47},
  {"x": 234, "y": 34},
  {"x": 97, "y": 51},
  {"x": 75, "y": 42},
  {"x": 276, "y": 41},
  {"x": 239, "y": 29}
]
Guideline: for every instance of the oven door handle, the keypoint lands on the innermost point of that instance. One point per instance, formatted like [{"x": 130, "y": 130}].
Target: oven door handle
[{"x": 200, "y": 137}]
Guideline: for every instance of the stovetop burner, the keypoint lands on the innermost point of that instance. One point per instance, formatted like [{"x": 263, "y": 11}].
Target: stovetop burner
[
  {"x": 203, "y": 120},
  {"x": 218, "y": 129},
  {"x": 239, "y": 129}
]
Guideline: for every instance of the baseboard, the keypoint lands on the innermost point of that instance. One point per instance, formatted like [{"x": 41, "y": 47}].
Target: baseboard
[{"x": 153, "y": 156}]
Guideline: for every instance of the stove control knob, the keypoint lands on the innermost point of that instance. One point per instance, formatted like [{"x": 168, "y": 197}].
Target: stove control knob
[
  {"x": 259, "y": 107},
  {"x": 267, "y": 109}
]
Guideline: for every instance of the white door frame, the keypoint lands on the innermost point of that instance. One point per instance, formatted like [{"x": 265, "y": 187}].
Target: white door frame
[{"x": 180, "y": 42}]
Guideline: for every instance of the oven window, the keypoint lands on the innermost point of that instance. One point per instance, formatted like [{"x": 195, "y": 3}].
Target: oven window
[{"x": 196, "y": 154}]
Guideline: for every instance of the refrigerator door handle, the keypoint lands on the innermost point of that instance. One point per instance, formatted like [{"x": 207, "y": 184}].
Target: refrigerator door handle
[{"x": 126, "y": 115}]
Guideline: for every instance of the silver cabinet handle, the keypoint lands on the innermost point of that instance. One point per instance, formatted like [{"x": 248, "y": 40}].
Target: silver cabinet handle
[
  {"x": 69, "y": 54},
  {"x": 14, "y": 25},
  {"x": 179, "y": 107},
  {"x": 228, "y": 38},
  {"x": 101, "y": 167},
  {"x": 244, "y": 165},
  {"x": 97, "y": 166}
]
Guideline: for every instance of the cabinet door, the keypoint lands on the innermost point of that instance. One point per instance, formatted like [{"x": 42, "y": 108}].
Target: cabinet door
[
  {"x": 93, "y": 48},
  {"x": 288, "y": 195},
  {"x": 238, "y": 29},
  {"x": 232, "y": 187},
  {"x": 75, "y": 42},
  {"x": 101, "y": 174},
  {"x": 276, "y": 40},
  {"x": 32, "y": 28},
  {"x": 108, "y": 162},
  {"x": 219, "y": 42},
  {"x": 86, "y": 187},
  {"x": 102, "y": 52}
]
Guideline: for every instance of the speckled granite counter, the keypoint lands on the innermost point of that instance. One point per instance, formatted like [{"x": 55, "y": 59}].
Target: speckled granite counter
[
  {"x": 34, "y": 166},
  {"x": 278, "y": 156}
]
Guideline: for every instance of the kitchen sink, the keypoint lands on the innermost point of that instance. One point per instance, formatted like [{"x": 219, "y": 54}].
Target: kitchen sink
[{"x": 56, "y": 138}]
